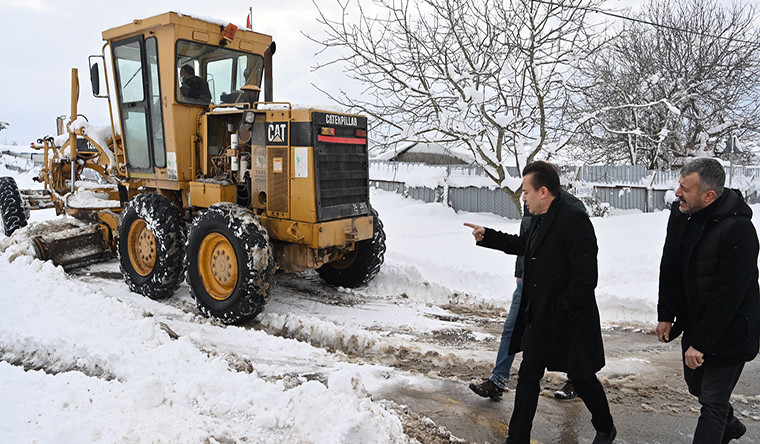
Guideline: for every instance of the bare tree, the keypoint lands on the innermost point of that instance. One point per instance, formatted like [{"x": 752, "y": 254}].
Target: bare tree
[
  {"x": 658, "y": 94},
  {"x": 489, "y": 75}
]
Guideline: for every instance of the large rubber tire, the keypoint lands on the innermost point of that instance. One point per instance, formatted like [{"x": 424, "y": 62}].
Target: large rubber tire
[
  {"x": 152, "y": 245},
  {"x": 14, "y": 212},
  {"x": 230, "y": 263},
  {"x": 358, "y": 267}
]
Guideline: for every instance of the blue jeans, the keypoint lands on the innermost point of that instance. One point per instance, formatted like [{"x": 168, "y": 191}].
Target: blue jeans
[
  {"x": 500, "y": 374},
  {"x": 713, "y": 386}
]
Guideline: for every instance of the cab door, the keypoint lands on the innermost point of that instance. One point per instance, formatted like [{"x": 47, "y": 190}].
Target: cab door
[{"x": 139, "y": 96}]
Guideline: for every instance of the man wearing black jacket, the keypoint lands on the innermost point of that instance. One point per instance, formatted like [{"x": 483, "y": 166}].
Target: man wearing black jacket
[
  {"x": 557, "y": 326},
  {"x": 709, "y": 290},
  {"x": 493, "y": 387}
]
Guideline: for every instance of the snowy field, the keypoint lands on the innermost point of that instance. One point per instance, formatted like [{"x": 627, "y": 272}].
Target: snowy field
[{"x": 84, "y": 360}]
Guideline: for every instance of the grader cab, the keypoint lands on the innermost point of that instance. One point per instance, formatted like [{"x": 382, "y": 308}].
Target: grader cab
[{"x": 199, "y": 179}]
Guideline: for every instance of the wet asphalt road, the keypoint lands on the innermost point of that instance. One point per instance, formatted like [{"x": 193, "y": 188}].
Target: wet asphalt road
[
  {"x": 649, "y": 407},
  {"x": 480, "y": 420}
]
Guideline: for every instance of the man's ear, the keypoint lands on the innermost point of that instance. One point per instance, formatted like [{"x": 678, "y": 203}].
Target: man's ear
[{"x": 710, "y": 195}]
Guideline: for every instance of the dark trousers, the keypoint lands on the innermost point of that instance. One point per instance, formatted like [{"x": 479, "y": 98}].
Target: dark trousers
[
  {"x": 713, "y": 387},
  {"x": 529, "y": 376}
]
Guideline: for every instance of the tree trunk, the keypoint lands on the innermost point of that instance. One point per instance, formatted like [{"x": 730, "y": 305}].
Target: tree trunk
[{"x": 516, "y": 197}]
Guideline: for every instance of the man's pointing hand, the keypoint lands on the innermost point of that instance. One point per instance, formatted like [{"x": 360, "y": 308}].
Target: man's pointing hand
[{"x": 477, "y": 231}]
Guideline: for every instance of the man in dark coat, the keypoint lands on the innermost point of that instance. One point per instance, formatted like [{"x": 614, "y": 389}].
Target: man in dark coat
[
  {"x": 493, "y": 387},
  {"x": 558, "y": 326},
  {"x": 194, "y": 89},
  {"x": 709, "y": 288}
]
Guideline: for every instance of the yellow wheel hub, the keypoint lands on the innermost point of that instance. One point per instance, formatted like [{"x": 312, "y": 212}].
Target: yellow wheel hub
[
  {"x": 217, "y": 266},
  {"x": 345, "y": 261},
  {"x": 141, "y": 245}
]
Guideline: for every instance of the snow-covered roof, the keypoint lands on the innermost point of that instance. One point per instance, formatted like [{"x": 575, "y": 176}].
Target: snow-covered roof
[{"x": 426, "y": 148}]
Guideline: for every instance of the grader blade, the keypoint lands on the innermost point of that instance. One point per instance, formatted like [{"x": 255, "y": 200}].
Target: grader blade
[{"x": 75, "y": 247}]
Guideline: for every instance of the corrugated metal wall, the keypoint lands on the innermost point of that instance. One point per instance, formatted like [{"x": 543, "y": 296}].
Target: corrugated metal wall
[
  {"x": 482, "y": 200},
  {"x": 623, "y": 187},
  {"x": 623, "y": 197},
  {"x": 423, "y": 194},
  {"x": 612, "y": 174}
]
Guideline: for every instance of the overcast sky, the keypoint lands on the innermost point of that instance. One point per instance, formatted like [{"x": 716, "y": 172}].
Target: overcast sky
[{"x": 43, "y": 39}]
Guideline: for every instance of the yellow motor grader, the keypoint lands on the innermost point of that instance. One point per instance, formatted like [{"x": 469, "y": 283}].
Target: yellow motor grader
[{"x": 197, "y": 178}]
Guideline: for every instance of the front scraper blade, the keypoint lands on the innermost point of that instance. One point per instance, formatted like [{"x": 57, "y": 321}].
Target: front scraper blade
[{"x": 76, "y": 247}]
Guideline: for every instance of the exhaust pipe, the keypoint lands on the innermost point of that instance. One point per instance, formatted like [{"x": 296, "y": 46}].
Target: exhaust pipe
[{"x": 268, "y": 87}]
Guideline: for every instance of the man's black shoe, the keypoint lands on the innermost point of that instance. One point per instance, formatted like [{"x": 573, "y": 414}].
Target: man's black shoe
[
  {"x": 605, "y": 438},
  {"x": 734, "y": 430},
  {"x": 566, "y": 392},
  {"x": 487, "y": 389}
]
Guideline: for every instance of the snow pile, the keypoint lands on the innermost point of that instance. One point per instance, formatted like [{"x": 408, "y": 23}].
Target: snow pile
[
  {"x": 84, "y": 198},
  {"x": 432, "y": 258},
  {"x": 105, "y": 370},
  {"x": 321, "y": 333}
]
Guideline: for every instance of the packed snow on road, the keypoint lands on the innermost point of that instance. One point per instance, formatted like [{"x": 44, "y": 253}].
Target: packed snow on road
[{"x": 85, "y": 360}]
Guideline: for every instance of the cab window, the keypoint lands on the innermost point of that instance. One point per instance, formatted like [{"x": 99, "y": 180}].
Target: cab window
[{"x": 209, "y": 74}]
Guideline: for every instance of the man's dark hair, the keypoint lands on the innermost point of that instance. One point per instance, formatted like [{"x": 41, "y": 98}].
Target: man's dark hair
[
  {"x": 544, "y": 175},
  {"x": 187, "y": 69},
  {"x": 711, "y": 174}
]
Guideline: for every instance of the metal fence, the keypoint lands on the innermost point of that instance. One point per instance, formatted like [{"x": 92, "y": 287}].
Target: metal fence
[
  {"x": 467, "y": 188},
  {"x": 621, "y": 187},
  {"x": 37, "y": 157},
  {"x": 482, "y": 200}
]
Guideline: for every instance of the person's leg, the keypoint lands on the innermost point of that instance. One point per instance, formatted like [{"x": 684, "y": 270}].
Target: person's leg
[
  {"x": 590, "y": 390},
  {"x": 734, "y": 428},
  {"x": 526, "y": 395},
  {"x": 500, "y": 373},
  {"x": 714, "y": 393}
]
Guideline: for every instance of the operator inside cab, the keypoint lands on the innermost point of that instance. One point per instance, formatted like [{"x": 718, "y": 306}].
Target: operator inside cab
[{"x": 194, "y": 89}]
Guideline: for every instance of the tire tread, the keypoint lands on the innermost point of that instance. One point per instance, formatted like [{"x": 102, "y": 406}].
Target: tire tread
[
  {"x": 13, "y": 209},
  {"x": 167, "y": 224}
]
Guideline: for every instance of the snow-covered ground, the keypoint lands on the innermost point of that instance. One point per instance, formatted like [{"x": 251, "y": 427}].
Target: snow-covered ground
[
  {"x": 84, "y": 360},
  {"x": 432, "y": 258}
]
